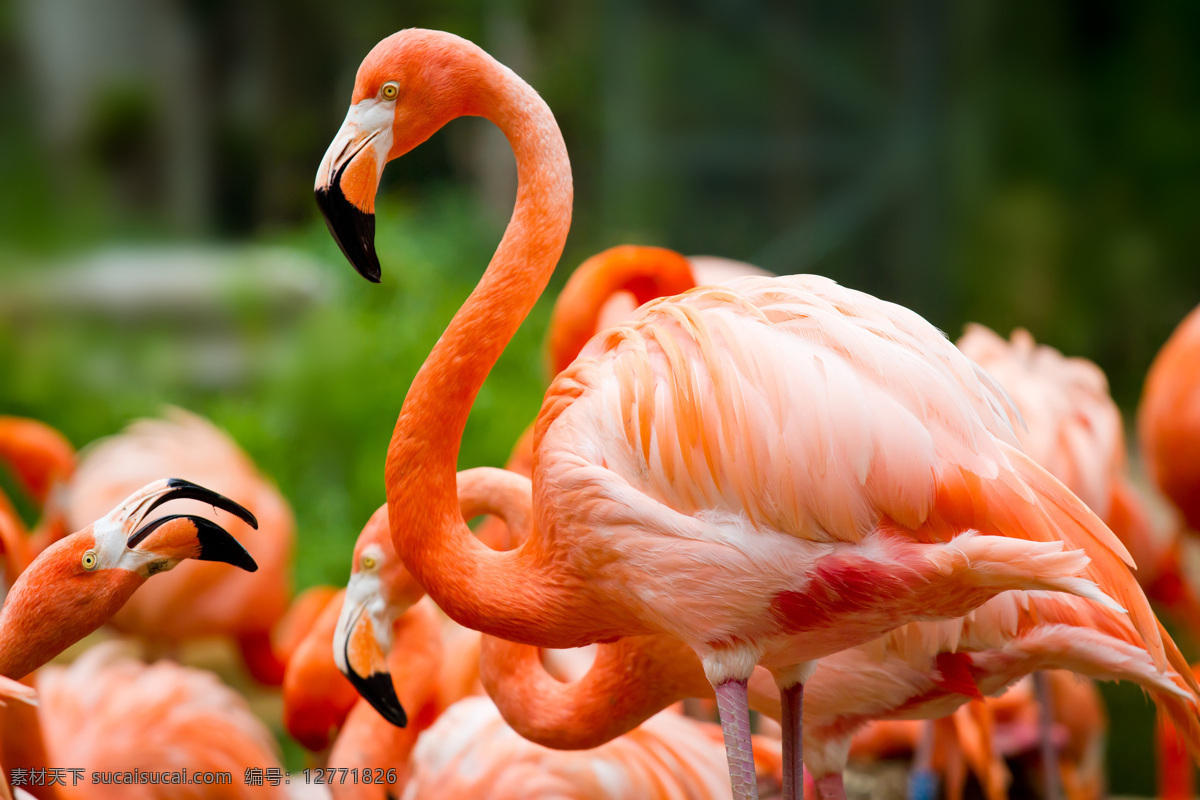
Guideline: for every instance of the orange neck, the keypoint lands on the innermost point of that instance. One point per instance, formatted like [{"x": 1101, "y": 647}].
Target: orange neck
[
  {"x": 630, "y": 681},
  {"x": 646, "y": 272},
  {"x": 508, "y": 593},
  {"x": 14, "y": 543},
  {"x": 38, "y": 455}
]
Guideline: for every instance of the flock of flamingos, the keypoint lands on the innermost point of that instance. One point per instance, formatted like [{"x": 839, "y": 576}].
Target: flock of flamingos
[{"x": 775, "y": 492}]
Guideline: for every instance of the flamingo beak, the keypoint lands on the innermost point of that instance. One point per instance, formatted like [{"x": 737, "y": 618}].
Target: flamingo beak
[
  {"x": 359, "y": 650},
  {"x": 178, "y": 536},
  {"x": 348, "y": 179}
]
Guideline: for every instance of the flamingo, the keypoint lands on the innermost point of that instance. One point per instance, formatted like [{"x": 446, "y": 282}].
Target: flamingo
[
  {"x": 771, "y": 471},
  {"x": 107, "y": 712},
  {"x": 78, "y": 583},
  {"x": 202, "y": 600}
]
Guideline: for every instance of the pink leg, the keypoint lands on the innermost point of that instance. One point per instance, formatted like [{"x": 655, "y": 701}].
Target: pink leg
[
  {"x": 733, "y": 705},
  {"x": 792, "y": 722},
  {"x": 1041, "y": 686},
  {"x": 830, "y": 787}
]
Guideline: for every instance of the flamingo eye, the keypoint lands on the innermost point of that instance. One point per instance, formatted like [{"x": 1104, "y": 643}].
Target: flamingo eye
[
  {"x": 368, "y": 562},
  {"x": 390, "y": 90},
  {"x": 90, "y": 561}
]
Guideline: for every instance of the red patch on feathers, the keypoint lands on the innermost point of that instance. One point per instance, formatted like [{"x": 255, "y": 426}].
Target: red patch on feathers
[
  {"x": 955, "y": 675},
  {"x": 838, "y": 586}
]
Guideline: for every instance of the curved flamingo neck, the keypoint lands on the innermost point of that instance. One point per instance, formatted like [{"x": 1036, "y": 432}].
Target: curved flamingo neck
[
  {"x": 506, "y": 593},
  {"x": 645, "y": 272},
  {"x": 626, "y": 685}
]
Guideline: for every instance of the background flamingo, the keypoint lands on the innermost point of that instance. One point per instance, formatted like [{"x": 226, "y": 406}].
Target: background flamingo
[
  {"x": 202, "y": 600},
  {"x": 108, "y": 712},
  {"x": 917, "y": 449}
]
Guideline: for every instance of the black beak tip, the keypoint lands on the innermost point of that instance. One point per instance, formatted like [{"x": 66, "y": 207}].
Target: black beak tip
[
  {"x": 377, "y": 689},
  {"x": 352, "y": 229},
  {"x": 217, "y": 544}
]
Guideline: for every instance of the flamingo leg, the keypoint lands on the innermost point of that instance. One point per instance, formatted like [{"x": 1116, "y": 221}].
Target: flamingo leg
[
  {"x": 922, "y": 780},
  {"x": 792, "y": 722},
  {"x": 733, "y": 706},
  {"x": 831, "y": 787},
  {"x": 1041, "y": 686}
]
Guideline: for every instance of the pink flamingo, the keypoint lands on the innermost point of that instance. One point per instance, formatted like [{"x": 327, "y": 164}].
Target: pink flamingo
[{"x": 771, "y": 471}]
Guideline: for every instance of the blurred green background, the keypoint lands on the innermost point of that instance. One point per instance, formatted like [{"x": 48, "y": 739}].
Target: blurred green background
[{"x": 1012, "y": 163}]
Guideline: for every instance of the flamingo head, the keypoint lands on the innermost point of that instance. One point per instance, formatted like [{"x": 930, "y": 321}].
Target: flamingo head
[
  {"x": 76, "y": 584},
  {"x": 379, "y": 591},
  {"x": 409, "y": 85}
]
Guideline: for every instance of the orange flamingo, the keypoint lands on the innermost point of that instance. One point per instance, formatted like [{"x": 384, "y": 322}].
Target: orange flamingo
[
  {"x": 76, "y": 584},
  {"x": 202, "y": 599},
  {"x": 770, "y": 471}
]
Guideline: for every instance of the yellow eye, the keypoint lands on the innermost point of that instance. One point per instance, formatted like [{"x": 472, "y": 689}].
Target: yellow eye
[
  {"x": 368, "y": 562},
  {"x": 389, "y": 91},
  {"x": 90, "y": 561}
]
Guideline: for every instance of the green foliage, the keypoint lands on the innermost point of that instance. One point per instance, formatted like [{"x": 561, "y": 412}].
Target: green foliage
[{"x": 318, "y": 399}]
